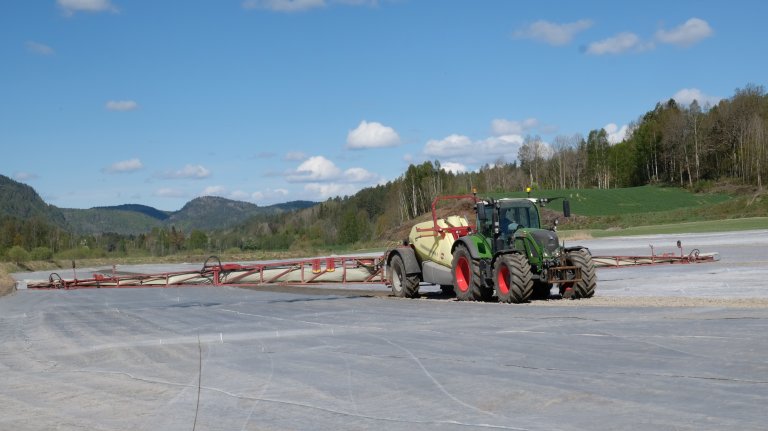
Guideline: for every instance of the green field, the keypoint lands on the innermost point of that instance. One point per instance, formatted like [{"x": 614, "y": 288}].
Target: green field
[
  {"x": 653, "y": 209},
  {"x": 612, "y": 202}
]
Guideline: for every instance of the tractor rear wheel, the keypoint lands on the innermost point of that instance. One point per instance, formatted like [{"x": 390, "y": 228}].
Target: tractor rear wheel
[
  {"x": 512, "y": 276},
  {"x": 467, "y": 279},
  {"x": 403, "y": 285},
  {"x": 583, "y": 260}
]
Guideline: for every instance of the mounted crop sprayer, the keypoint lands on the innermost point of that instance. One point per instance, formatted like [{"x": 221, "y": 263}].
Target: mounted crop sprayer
[{"x": 506, "y": 254}]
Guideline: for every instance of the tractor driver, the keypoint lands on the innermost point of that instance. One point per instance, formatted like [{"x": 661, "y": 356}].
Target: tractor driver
[{"x": 509, "y": 225}]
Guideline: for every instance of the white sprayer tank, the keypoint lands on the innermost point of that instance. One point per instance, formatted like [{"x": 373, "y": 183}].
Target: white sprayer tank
[{"x": 432, "y": 246}]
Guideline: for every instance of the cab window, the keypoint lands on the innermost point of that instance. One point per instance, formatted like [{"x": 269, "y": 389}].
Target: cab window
[{"x": 524, "y": 216}]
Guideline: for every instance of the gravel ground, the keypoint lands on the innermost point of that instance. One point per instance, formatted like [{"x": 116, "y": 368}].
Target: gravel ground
[
  {"x": 210, "y": 358},
  {"x": 679, "y": 347}
]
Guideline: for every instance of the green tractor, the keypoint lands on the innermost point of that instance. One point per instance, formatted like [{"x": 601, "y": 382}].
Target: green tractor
[{"x": 506, "y": 253}]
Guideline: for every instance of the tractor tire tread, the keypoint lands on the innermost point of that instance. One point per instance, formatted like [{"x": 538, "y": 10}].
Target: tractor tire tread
[
  {"x": 409, "y": 283},
  {"x": 475, "y": 291},
  {"x": 586, "y": 287},
  {"x": 520, "y": 278}
]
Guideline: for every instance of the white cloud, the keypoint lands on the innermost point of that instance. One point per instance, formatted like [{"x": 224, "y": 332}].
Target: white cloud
[
  {"x": 463, "y": 149},
  {"x": 360, "y": 175},
  {"x": 188, "y": 171},
  {"x": 214, "y": 191},
  {"x": 687, "y": 95},
  {"x": 454, "y": 167},
  {"x": 686, "y": 34},
  {"x": 501, "y": 146},
  {"x": 618, "y": 44},
  {"x": 72, "y": 6},
  {"x": 316, "y": 168},
  {"x": 615, "y": 133},
  {"x": 121, "y": 105},
  {"x": 328, "y": 190},
  {"x": 501, "y": 126},
  {"x": 258, "y": 196},
  {"x": 239, "y": 195},
  {"x": 294, "y": 156},
  {"x": 284, "y": 5},
  {"x": 324, "y": 179},
  {"x": 372, "y": 135},
  {"x": 450, "y": 146},
  {"x": 169, "y": 193},
  {"x": 124, "y": 166},
  {"x": 38, "y": 48},
  {"x": 25, "y": 176},
  {"x": 269, "y": 195},
  {"x": 553, "y": 33}
]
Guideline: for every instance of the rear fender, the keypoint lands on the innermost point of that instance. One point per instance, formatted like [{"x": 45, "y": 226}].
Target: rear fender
[
  {"x": 409, "y": 259},
  {"x": 576, "y": 248},
  {"x": 476, "y": 245},
  {"x": 466, "y": 242}
]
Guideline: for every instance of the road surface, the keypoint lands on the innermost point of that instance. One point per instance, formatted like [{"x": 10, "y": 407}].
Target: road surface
[{"x": 210, "y": 358}]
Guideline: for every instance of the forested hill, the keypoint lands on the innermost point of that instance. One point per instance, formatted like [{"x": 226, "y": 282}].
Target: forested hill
[
  {"x": 126, "y": 219},
  {"x": 205, "y": 213},
  {"x": 19, "y": 200},
  {"x": 211, "y": 212},
  {"x": 143, "y": 209}
]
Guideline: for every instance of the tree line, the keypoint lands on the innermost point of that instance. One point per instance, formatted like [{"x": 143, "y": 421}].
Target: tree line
[
  {"x": 37, "y": 239},
  {"x": 671, "y": 144},
  {"x": 688, "y": 146}
]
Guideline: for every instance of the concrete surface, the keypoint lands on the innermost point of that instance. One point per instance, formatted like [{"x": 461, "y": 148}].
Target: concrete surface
[
  {"x": 740, "y": 273},
  {"x": 210, "y": 358}
]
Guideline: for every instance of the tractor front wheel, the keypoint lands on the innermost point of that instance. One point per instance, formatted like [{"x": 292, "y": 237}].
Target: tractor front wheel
[
  {"x": 467, "y": 279},
  {"x": 583, "y": 260},
  {"x": 512, "y": 275},
  {"x": 403, "y": 285}
]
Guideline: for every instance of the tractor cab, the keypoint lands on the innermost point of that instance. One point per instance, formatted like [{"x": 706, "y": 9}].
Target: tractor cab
[
  {"x": 507, "y": 254},
  {"x": 517, "y": 213},
  {"x": 501, "y": 219}
]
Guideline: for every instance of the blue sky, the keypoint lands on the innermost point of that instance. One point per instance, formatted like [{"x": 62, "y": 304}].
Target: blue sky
[{"x": 104, "y": 102}]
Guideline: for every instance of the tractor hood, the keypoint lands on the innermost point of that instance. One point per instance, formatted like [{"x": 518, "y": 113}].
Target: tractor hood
[{"x": 545, "y": 238}]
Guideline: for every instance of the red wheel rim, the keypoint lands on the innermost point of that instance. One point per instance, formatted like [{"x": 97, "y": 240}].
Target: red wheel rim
[
  {"x": 462, "y": 274},
  {"x": 502, "y": 283}
]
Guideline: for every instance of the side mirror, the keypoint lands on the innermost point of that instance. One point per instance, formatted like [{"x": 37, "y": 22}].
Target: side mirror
[{"x": 566, "y": 208}]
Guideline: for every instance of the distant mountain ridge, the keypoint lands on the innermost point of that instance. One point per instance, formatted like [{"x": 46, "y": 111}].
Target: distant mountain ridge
[
  {"x": 206, "y": 213},
  {"x": 143, "y": 209},
  {"x": 212, "y": 212},
  {"x": 22, "y": 201}
]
